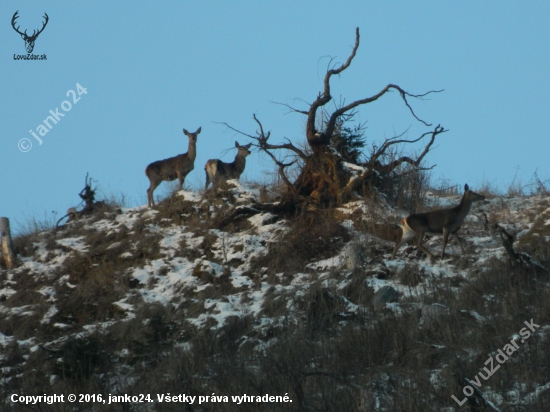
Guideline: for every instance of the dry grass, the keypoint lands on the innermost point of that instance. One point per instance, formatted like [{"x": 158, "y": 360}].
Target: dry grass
[
  {"x": 376, "y": 222},
  {"x": 314, "y": 235},
  {"x": 310, "y": 345},
  {"x": 321, "y": 363},
  {"x": 536, "y": 241}
]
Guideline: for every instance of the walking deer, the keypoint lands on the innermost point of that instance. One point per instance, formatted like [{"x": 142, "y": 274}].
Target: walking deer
[
  {"x": 444, "y": 221},
  {"x": 217, "y": 170},
  {"x": 174, "y": 167}
]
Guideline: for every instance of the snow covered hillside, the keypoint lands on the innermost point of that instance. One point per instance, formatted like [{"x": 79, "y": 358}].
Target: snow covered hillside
[{"x": 207, "y": 294}]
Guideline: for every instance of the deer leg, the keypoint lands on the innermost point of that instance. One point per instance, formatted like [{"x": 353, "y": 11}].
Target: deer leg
[
  {"x": 420, "y": 238},
  {"x": 408, "y": 234},
  {"x": 446, "y": 234},
  {"x": 207, "y": 180},
  {"x": 181, "y": 178},
  {"x": 150, "y": 198},
  {"x": 459, "y": 242}
]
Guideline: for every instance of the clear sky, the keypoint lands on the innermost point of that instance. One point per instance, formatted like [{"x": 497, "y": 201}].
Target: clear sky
[{"x": 153, "y": 68}]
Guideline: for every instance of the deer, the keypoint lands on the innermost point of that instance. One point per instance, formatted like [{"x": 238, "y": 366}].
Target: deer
[
  {"x": 216, "y": 170},
  {"x": 174, "y": 167},
  {"x": 443, "y": 221},
  {"x": 29, "y": 40}
]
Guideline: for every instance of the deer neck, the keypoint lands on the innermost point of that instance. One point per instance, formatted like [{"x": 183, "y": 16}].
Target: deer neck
[
  {"x": 192, "y": 151},
  {"x": 463, "y": 208},
  {"x": 240, "y": 163}
]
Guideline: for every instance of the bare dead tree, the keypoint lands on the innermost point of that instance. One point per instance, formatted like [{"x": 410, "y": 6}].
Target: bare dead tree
[
  {"x": 316, "y": 139},
  {"x": 87, "y": 194},
  {"x": 323, "y": 178}
]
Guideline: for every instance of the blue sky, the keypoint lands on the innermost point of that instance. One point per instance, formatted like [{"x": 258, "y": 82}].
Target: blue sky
[{"x": 153, "y": 68}]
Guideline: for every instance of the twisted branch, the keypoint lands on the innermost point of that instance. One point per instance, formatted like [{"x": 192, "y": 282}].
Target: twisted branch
[
  {"x": 317, "y": 139},
  {"x": 373, "y": 162}
]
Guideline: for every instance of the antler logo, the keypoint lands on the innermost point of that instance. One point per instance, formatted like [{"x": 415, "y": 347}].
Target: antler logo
[{"x": 29, "y": 40}]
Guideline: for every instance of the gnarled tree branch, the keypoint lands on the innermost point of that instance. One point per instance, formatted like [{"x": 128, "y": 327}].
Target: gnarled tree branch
[
  {"x": 261, "y": 139},
  {"x": 323, "y": 178},
  {"x": 374, "y": 162},
  {"x": 292, "y": 109},
  {"x": 374, "y": 166},
  {"x": 316, "y": 139},
  {"x": 313, "y": 138}
]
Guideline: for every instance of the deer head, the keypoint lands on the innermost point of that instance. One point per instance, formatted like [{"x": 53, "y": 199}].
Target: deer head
[
  {"x": 243, "y": 150},
  {"x": 29, "y": 40},
  {"x": 192, "y": 136}
]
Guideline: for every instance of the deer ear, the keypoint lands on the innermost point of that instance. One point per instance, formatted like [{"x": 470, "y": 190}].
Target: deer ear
[
  {"x": 185, "y": 132},
  {"x": 236, "y": 144},
  {"x": 466, "y": 188},
  {"x": 198, "y": 130}
]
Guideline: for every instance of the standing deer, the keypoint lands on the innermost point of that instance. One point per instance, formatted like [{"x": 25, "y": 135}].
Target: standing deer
[
  {"x": 437, "y": 222},
  {"x": 174, "y": 167},
  {"x": 217, "y": 170}
]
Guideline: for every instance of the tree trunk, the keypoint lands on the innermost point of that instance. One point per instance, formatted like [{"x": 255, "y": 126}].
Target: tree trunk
[
  {"x": 322, "y": 178},
  {"x": 8, "y": 251}
]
